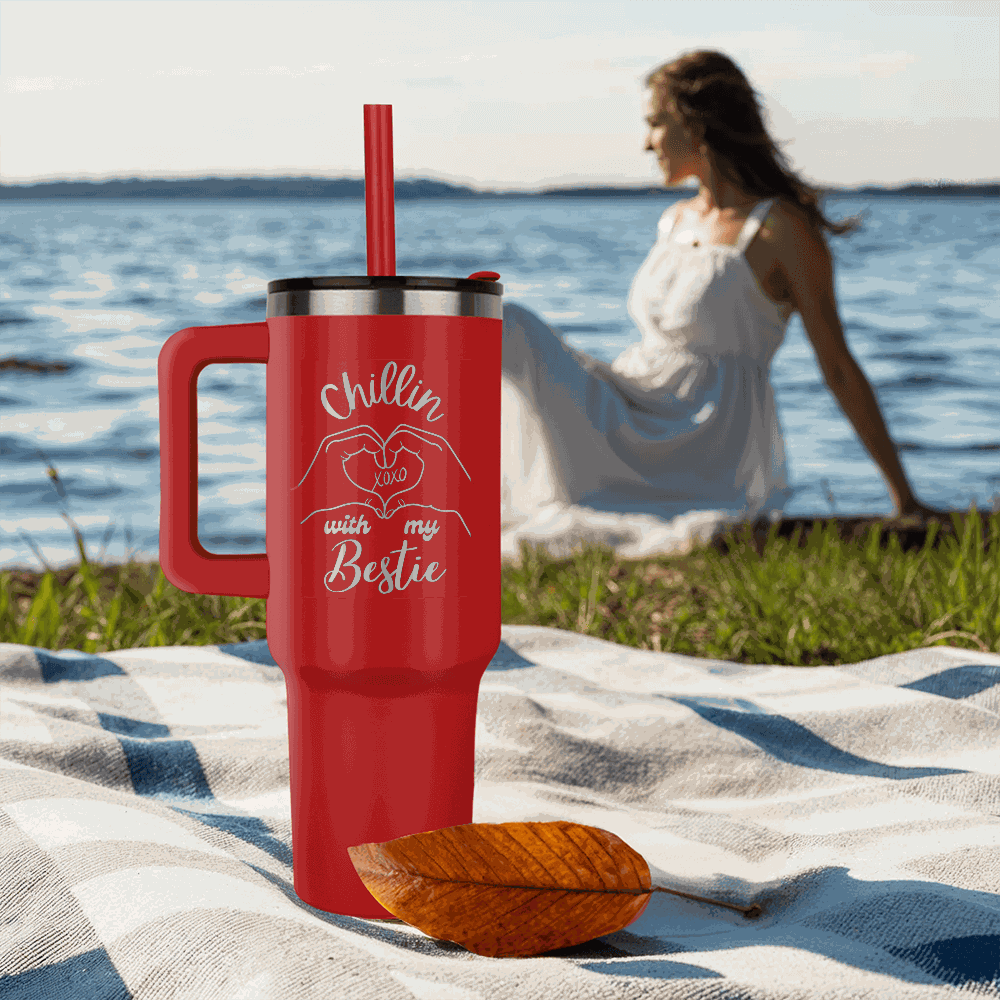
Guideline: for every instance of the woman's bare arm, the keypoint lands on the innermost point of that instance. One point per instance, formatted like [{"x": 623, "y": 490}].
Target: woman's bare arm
[
  {"x": 809, "y": 268},
  {"x": 854, "y": 393}
]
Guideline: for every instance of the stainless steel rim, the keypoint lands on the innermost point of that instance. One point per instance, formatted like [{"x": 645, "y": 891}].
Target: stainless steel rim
[{"x": 383, "y": 302}]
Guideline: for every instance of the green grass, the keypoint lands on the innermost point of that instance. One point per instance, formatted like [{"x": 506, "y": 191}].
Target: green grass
[
  {"x": 803, "y": 601},
  {"x": 100, "y": 608}
]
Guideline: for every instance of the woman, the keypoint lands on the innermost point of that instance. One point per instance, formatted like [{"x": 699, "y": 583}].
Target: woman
[{"x": 679, "y": 436}]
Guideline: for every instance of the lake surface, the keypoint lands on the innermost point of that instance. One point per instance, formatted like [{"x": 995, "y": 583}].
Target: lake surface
[{"x": 100, "y": 285}]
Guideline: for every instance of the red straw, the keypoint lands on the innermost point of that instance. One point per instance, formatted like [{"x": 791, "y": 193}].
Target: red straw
[{"x": 380, "y": 212}]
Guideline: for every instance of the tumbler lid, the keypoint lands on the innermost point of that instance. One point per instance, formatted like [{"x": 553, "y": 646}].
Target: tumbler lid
[
  {"x": 387, "y": 281},
  {"x": 385, "y": 295}
]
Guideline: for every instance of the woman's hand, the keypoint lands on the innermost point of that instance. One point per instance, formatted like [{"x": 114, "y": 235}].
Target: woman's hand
[{"x": 919, "y": 513}]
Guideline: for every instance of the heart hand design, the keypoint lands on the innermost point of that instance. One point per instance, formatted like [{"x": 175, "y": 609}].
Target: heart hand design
[{"x": 374, "y": 472}]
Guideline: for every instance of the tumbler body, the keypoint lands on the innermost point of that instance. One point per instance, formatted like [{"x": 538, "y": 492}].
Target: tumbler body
[
  {"x": 383, "y": 568},
  {"x": 382, "y": 517}
]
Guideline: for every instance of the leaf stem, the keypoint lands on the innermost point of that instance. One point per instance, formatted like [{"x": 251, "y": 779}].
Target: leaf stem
[{"x": 750, "y": 912}]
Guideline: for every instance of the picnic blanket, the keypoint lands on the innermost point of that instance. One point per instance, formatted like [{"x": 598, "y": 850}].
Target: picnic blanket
[{"x": 145, "y": 840}]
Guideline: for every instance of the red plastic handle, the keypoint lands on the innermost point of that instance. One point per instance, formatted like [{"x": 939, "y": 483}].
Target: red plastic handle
[{"x": 186, "y": 563}]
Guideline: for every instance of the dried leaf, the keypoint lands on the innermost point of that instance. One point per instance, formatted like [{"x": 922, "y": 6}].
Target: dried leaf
[{"x": 510, "y": 889}]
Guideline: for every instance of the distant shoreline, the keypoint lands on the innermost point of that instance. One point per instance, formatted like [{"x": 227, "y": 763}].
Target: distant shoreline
[{"x": 317, "y": 188}]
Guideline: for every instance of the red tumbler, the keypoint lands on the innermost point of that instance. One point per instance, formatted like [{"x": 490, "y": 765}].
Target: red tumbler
[{"x": 382, "y": 564}]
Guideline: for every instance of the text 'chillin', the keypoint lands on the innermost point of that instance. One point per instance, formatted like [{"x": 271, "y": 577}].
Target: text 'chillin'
[{"x": 405, "y": 377}]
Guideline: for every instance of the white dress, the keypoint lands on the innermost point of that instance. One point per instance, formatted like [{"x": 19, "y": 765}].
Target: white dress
[{"x": 676, "y": 438}]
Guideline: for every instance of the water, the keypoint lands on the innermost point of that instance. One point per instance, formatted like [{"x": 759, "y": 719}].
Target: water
[{"x": 101, "y": 285}]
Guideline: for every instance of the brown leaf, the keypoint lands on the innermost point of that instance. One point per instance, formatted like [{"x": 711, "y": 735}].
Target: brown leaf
[{"x": 508, "y": 889}]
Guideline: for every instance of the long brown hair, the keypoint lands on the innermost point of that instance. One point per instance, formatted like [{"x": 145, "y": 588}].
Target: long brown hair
[{"x": 720, "y": 108}]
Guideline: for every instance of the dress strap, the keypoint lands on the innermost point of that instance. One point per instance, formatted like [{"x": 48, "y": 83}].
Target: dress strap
[
  {"x": 668, "y": 220},
  {"x": 754, "y": 221}
]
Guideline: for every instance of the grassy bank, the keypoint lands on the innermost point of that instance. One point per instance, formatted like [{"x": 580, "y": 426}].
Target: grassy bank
[{"x": 824, "y": 592}]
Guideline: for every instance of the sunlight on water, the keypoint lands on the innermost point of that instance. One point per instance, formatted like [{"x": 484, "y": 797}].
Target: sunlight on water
[{"x": 99, "y": 287}]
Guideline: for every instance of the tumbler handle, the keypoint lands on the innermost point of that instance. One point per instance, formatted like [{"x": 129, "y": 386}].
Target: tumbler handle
[{"x": 186, "y": 563}]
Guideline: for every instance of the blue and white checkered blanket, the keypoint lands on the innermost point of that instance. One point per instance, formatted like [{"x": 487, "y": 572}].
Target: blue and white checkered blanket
[{"x": 145, "y": 841}]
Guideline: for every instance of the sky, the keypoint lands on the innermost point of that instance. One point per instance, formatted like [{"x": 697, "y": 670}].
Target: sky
[{"x": 495, "y": 96}]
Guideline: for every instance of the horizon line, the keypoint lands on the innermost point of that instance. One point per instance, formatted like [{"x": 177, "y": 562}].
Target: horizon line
[{"x": 444, "y": 187}]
